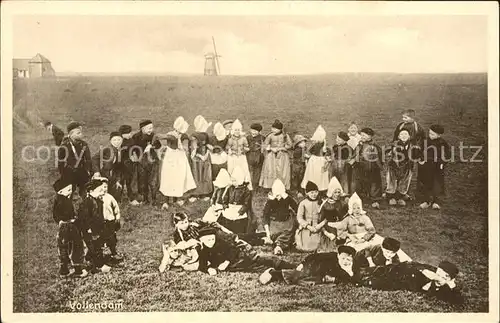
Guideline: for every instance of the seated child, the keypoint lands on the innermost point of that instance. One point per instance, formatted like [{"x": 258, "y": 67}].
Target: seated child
[
  {"x": 220, "y": 197},
  {"x": 389, "y": 252},
  {"x": 69, "y": 239},
  {"x": 357, "y": 228},
  {"x": 111, "y": 213},
  {"x": 237, "y": 216},
  {"x": 298, "y": 164},
  {"x": 329, "y": 267},
  {"x": 217, "y": 255},
  {"x": 332, "y": 211},
  {"x": 279, "y": 217},
  {"x": 308, "y": 234},
  {"x": 416, "y": 277}
]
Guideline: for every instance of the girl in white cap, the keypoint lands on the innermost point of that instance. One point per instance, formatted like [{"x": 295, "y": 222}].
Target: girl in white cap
[
  {"x": 237, "y": 216},
  {"x": 357, "y": 228},
  {"x": 217, "y": 146},
  {"x": 237, "y": 147},
  {"x": 331, "y": 212},
  {"x": 200, "y": 160},
  {"x": 176, "y": 177},
  {"x": 317, "y": 165}
]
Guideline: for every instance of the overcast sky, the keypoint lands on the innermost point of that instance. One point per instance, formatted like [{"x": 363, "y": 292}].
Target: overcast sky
[{"x": 256, "y": 45}]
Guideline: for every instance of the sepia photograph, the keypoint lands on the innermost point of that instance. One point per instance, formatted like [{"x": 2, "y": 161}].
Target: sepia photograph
[{"x": 234, "y": 158}]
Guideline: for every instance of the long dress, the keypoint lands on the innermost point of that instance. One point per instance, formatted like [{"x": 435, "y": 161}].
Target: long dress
[
  {"x": 340, "y": 168},
  {"x": 332, "y": 214},
  {"x": 176, "y": 177},
  {"x": 276, "y": 164},
  {"x": 316, "y": 167},
  {"x": 218, "y": 155},
  {"x": 238, "y": 146},
  {"x": 308, "y": 213},
  {"x": 202, "y": 169}
]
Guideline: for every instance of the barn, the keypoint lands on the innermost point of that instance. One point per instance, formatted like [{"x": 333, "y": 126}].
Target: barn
[{"x": 38, "y": 66}]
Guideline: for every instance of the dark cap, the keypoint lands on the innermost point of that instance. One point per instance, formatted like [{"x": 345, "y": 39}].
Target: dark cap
[
  {"x": 343, "y": 135},
  {"x": 73, "y": 125},
  {"x": 391, "y": 244},
  {"x": 439, "y": 129},
  {"x": 310, "y": 186},
  {"x": 449, "y": 268},
  {"x": 115, "y": 134},
  {"x": 61, "y": 183},
  {"x": 206, "y": 231},
  {"x": 256, "y": 126},
  {"x": 48, "y": 123},
  {"x": 124, "y": 129},
  {"x": 277, "y": 125},
  {"x": 144, "y": 123},
  {"x": 368, "y": 131},
  {"x": 94, "y": 183},
  {"x": 346, "y": 249}
]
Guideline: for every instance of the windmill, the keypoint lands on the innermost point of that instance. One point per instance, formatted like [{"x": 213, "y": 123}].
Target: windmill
[{"x": 212, "y": 66}]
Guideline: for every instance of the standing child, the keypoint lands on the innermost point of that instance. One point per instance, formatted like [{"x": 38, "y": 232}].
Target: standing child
[
  {"x": 332, "y": 211},
  {"x": 255, "y": 155},
  {"x": 176, "y": 176},
  {"x": 367, "y": 168},
  {"x": 129, "y": 165},
  {"x": 74, "y": 159},
  {"x": 354, "y": 135},
  {"x": 416, "y": 132},
  {"x": 316, "y": 168},
  {"x": 217, "y": 146},
  {"x": 91, "y": 222},
  {"x": 339, "y": 163},
  {"x": 111, "y": 213},
  {"x": 200, "y": 160},
  {"x": 435, "y": 152},
  {"x": 276, "y": 158},
  {"x": 281, "y": 208},
  {"x": 228, "y": 125},
  {"x": 69, "y": 238},
  {"x": 308, "y": 234},
  {"x": 298, "y": 164},
  {"x": 237, "y": 147},
  {"x": 107, "y": 162},
  {"x": 399, "y": 170},
  {"x": 147, "y": 143}
]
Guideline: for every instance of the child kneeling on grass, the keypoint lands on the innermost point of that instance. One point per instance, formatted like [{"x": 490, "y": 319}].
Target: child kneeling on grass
[
  {"x": 328, "y": 267},
  {"x": 69, "y": 239},
  {"x": 217, "y": 255}
]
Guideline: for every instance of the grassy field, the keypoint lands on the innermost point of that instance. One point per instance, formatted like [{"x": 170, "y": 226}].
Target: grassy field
[{"x": 458, "y": 232}]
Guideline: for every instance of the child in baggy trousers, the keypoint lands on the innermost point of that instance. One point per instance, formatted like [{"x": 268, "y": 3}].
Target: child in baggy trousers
[
  {"x": 435, "y": 152},
  {"x": 69, "y": 239},
  {"x": 298, "y": 164}
]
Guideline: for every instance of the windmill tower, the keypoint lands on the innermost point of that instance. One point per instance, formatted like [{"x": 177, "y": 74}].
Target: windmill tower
[{"x": 212, "y": 67}]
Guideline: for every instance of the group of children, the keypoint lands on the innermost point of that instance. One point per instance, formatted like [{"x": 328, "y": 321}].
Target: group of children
[{"x": 225, "y": 169}]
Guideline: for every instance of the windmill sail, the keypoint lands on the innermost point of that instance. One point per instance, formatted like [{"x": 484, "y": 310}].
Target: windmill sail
[{"x": 216, "y": 57}]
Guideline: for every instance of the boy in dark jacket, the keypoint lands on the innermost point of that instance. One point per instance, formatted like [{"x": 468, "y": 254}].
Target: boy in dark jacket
[
  {"x": 148, "y": 174},
  {"x": 435, "y": 152},
  {"x": 381, "y": 255},
  {"x": 298, "y": 164},
  {"x": 129, "y": 165},
  {"x": 409, "y": 124},
  {"x": 217, "y": 255},
  {"x": 92, "y": 224},
  {"x": 367, "y": 167},
  {"x": 74, "y": 159},
  {"x": 255, "y": 156},
  {"x": 69, "y": 239}
]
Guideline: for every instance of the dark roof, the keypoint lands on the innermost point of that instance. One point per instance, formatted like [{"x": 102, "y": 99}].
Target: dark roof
[
  {"x": 21, "y": 63},
  {"x": 39, "y": 58}
]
